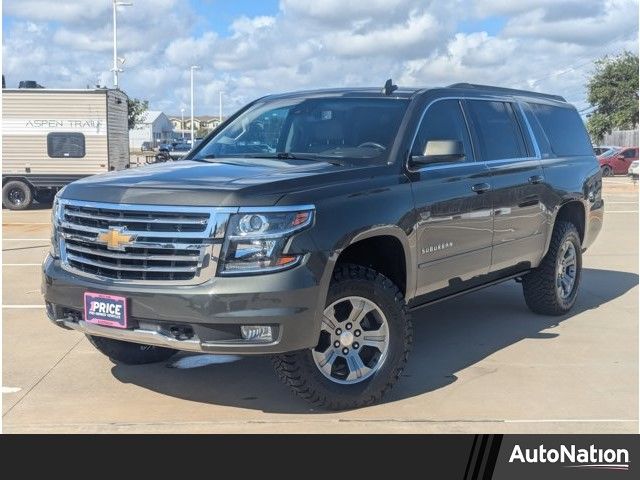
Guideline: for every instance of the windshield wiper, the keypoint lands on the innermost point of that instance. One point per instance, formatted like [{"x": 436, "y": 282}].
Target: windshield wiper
[
  {"x": 310, "y": 156},
  {"x": 210, "y": 156}
]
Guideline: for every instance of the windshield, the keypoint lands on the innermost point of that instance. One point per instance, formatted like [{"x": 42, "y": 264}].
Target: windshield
[
  {"x": 310, "y": 128},
  {"x": 609, "y": 152}
]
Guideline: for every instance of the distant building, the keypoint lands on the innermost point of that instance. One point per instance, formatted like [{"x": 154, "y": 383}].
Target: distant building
[
  {"x": 200, "y": 122},
  {"x": 155, "y": 127}
]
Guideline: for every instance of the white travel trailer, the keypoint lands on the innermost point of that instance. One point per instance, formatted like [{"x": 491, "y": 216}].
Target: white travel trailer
[{"x": 51, "y": 137}]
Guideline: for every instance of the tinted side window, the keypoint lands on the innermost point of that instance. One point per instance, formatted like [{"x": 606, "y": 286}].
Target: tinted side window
[
  {"x": 443, "y": 121},
  {"x": 538, "y": 132},
  {"x": 65, "y": 145},
  {"x": 499, "y": 135},
  {"x": 564, "y": 129},
  {"x": 631, "y": 153}
]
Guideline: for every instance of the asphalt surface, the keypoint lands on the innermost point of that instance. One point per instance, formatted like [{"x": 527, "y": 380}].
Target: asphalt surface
[{"x": 481, "y": 363}]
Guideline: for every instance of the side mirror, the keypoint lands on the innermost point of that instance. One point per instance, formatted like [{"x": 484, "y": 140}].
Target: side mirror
[
  {"x": 440, "y": 151},
  {"x": 620, "y": 157}
]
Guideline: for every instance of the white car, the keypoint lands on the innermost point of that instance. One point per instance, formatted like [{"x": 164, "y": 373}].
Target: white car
[{"x": 634, "y": 169}]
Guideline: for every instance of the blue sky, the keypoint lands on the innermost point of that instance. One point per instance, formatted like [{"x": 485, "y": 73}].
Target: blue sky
[
  {"x": 249, "y": 48},
  {"x": 217, "y": 15}
]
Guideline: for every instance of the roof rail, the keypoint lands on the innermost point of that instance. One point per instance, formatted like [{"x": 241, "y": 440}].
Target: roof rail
[{"x": 507, "y": 91}]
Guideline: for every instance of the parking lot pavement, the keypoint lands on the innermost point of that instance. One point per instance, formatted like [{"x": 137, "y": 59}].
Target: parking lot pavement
[{"x": 480, "y": 363}]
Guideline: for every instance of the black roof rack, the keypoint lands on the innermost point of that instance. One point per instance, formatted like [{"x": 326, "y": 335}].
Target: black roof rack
[{"x": 507, "y": 91}]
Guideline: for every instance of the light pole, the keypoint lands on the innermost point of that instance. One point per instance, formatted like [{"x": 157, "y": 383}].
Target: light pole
[
  {"x": 182, "y": 123},
  {"x": 192, "y": 68},
  {"x": 220, "y": 109},
  {"x": 115, "y": 68}
]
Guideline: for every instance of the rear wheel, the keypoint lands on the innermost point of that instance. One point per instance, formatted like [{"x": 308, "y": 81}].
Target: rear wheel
[
  {"x": 16, "y": 195},
  {"x": 607, "y": 171},
  {"x": 130, "y": 353},
  {"x": 551, "y": 289},
  {"x": 364, "y": 342}
]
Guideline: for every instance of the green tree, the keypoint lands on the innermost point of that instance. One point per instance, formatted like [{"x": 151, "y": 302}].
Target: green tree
[
  {"x": 613, "y": 90},
  {"x": 136, "y": 108}
]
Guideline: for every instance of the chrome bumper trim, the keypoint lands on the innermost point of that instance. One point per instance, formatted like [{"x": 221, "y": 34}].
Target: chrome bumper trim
[{"x": 146, "y": 337}]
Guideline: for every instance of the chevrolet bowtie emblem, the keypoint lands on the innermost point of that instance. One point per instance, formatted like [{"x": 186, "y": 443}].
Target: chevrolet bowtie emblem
[{"x": 115, "y": 239}]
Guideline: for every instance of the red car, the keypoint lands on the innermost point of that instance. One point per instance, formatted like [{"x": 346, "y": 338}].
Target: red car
[{"x": 617, "y": 162}]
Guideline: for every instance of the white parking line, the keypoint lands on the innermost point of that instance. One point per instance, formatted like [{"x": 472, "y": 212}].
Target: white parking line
[
  {"x": 622, "y": 203},
  {"x": 37, "y": 305},
  {"x": 10, "y": 389},
  {"x": 25, "y": 223},
  {"x": 21, "y": 264},
  {"x": 620, "y": 211}
]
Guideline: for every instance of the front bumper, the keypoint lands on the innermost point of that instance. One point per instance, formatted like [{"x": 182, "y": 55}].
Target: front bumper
[{"x": 201, "y": 318}]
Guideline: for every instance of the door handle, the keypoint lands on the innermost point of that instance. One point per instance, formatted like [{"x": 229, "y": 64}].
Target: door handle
[
  {"x": 481, "y": 187},
  {"x": 536, "y": 179}
]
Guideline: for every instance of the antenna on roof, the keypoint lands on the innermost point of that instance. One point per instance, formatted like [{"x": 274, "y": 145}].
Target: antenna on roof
[{"x": 389, "y": 87}]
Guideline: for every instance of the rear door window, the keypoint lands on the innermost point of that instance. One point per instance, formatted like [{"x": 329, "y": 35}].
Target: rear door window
[
  {"x": 564, "y": 129},
  {"x": 498, "y": 132},
  {"x": 65, "y": 145}
]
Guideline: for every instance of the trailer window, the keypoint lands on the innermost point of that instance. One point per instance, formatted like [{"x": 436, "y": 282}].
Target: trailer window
[{"x": 65, "y": 145}]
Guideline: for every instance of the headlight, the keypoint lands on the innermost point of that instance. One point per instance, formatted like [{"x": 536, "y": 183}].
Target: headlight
[
  {"x": 255, "y": 241},
  {"x": 55, "y": 225}
]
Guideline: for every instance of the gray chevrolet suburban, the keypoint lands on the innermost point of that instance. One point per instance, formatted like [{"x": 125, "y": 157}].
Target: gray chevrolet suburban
[{"x": 311, "y": 225}]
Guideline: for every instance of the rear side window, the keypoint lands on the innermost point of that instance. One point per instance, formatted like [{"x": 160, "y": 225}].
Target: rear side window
[
  {"x": 538, "y": 132},
  {"x": 564, "y": 128},
  {"x": 443, "y": 121},
  {"x": 498, "y": 131},
  {"x": 65, "y": 145},
  {"x": 631, "y": 153}
]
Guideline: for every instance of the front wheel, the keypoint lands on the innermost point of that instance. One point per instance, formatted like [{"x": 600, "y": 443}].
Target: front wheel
[
  {"x": 363, "y": 346},
  {"x": 130, "y": 353},
  {"x": 607, "y": 171},
  {"x": 551, "y": 288}
]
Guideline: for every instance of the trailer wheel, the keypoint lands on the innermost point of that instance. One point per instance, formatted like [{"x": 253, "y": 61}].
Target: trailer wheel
[{"x": 16, "y": 195}]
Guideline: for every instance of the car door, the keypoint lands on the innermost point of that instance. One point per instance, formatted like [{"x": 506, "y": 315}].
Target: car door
[
  {"x": 624, "y": 159},
  {"x": 452, "y": 206},
  {"x": 505, "y": 145}
]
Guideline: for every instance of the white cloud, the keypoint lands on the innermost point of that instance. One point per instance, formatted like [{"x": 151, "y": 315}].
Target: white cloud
[{"x": 546, "y": 45}]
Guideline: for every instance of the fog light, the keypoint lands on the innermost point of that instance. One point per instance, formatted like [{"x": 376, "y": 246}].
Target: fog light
[{"x": 258, "y": 333}]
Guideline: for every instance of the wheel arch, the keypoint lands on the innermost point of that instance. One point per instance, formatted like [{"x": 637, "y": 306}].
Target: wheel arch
[
  {"x": 386, "y": 249},
  {"x": 10, "y": 178},
  {"x": 572, "y": 210}
]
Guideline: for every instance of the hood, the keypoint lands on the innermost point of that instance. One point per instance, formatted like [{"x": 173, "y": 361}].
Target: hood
[{"x": 224, "y": 182}]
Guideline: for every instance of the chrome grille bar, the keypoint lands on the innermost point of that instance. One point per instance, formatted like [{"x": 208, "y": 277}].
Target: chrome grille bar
[
  {"x": 171, "y": 245},
  {"x": 137, "y": 219},
  {"x": 96, "y": 263},
  {"x": 132, "y": 256}
]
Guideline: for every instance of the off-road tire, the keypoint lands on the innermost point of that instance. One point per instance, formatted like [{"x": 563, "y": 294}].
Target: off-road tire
[
  {"x": 298, "y": 370},
  {"x": 539, "y": 286},
  {"x": 16, "y": 185},
  {"x": 130, "y": 353}
]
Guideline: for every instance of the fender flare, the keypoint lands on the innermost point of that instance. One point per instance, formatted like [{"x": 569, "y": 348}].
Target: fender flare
[
  {"x": 406, "y": 241},
  {"x": 554, "y": 217}
]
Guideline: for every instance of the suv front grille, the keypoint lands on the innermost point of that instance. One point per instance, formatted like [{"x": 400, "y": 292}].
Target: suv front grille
[{"x": 161, "y": 244}]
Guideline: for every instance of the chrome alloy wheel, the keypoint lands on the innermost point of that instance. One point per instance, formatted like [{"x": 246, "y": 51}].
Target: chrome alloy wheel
[
  {"x": 354, "y": 340},
  {"x": 566, "y": 269}
]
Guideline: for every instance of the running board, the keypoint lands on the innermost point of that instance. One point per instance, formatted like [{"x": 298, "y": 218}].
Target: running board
[{"x": 469, "y": 290}]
